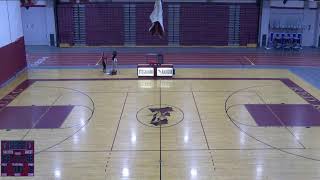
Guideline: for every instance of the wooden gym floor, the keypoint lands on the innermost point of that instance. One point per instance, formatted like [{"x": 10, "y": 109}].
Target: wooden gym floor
[{"x": 217, "y": 124}]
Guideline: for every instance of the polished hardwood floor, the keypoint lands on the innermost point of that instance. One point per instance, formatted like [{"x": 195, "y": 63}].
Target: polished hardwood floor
[{"x": 209, "y": 125}]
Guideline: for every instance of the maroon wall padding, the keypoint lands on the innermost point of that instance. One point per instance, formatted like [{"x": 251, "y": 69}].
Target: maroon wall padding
[
  {"x": 204, "y": 24},
  {"x": 12, "y": 59},
  {"x": 104, "y": 24},
  {"x": 143, "y": 23},
  {"x": 249, "y": 23},
  {"x": 65, "y": 23}
]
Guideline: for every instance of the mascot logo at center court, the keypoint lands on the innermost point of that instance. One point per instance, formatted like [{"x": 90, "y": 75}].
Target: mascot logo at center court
[{"x": 160, "y": 115}]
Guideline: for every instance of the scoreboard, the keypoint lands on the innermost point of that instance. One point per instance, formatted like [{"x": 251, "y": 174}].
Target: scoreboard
[{"x": 17, "y": 158}]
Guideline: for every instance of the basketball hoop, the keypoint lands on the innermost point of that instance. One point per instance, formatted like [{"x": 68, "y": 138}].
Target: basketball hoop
[
  {"x": 32, "y": 3},
  {"x": 26, "y": 3}
]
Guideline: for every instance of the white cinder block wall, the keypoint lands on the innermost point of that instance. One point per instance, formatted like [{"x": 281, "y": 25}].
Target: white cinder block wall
[
  {"x": 10, "y": 18},
  {"x": 39, "y": 23}
]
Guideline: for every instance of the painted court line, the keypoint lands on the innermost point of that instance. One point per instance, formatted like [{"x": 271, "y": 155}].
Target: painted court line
[
  {"x": 293, "y": 86},
  {"x": 39, "y": 61},
  {"x": 248, "y": 59}
]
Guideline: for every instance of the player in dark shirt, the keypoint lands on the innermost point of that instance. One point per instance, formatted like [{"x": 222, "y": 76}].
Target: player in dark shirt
[{"x": 103, "y": 61}]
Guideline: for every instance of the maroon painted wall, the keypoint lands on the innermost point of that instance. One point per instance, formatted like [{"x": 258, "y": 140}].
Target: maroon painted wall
[
  {"x": 143, "y": 23},
  {"x": 249, "y": 23},
  {"x": 104, "y": 24},
  {"x": 204, "y": 24},
  {"x": 65, "y": 23},
  {"x": 12, "y": 59}
]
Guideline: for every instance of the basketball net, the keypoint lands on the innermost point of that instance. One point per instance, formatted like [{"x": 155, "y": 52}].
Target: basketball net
[
  {"x": 156, "y": 18},
  {"x": 27, "y": 3}
]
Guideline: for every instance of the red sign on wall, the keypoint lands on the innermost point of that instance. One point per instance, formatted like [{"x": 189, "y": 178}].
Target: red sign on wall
[{"x": 17, "y": 158}]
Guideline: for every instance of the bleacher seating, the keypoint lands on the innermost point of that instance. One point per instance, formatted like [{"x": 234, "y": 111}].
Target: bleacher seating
[
  {"x": 65, "y": 24},
  {"x": 198, "y": 24},
  {"x": 104, "y": 24}
]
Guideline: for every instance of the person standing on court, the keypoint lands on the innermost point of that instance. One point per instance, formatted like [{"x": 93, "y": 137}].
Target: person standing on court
[
  {"x": 114, "y": 63},
  {"x": 103, "y": 61}
]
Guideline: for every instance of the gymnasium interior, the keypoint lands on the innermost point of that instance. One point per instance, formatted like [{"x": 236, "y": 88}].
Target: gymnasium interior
[{"x": 160, "y": 89}]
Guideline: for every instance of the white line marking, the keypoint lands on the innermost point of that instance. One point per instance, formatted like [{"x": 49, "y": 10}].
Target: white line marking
[
  {"x": 248, "y": 59},
  {"x": 39, "y": 61}
]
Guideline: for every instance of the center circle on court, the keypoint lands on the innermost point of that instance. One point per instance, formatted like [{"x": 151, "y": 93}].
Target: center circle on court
[{"x": 157, "y": 116}]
